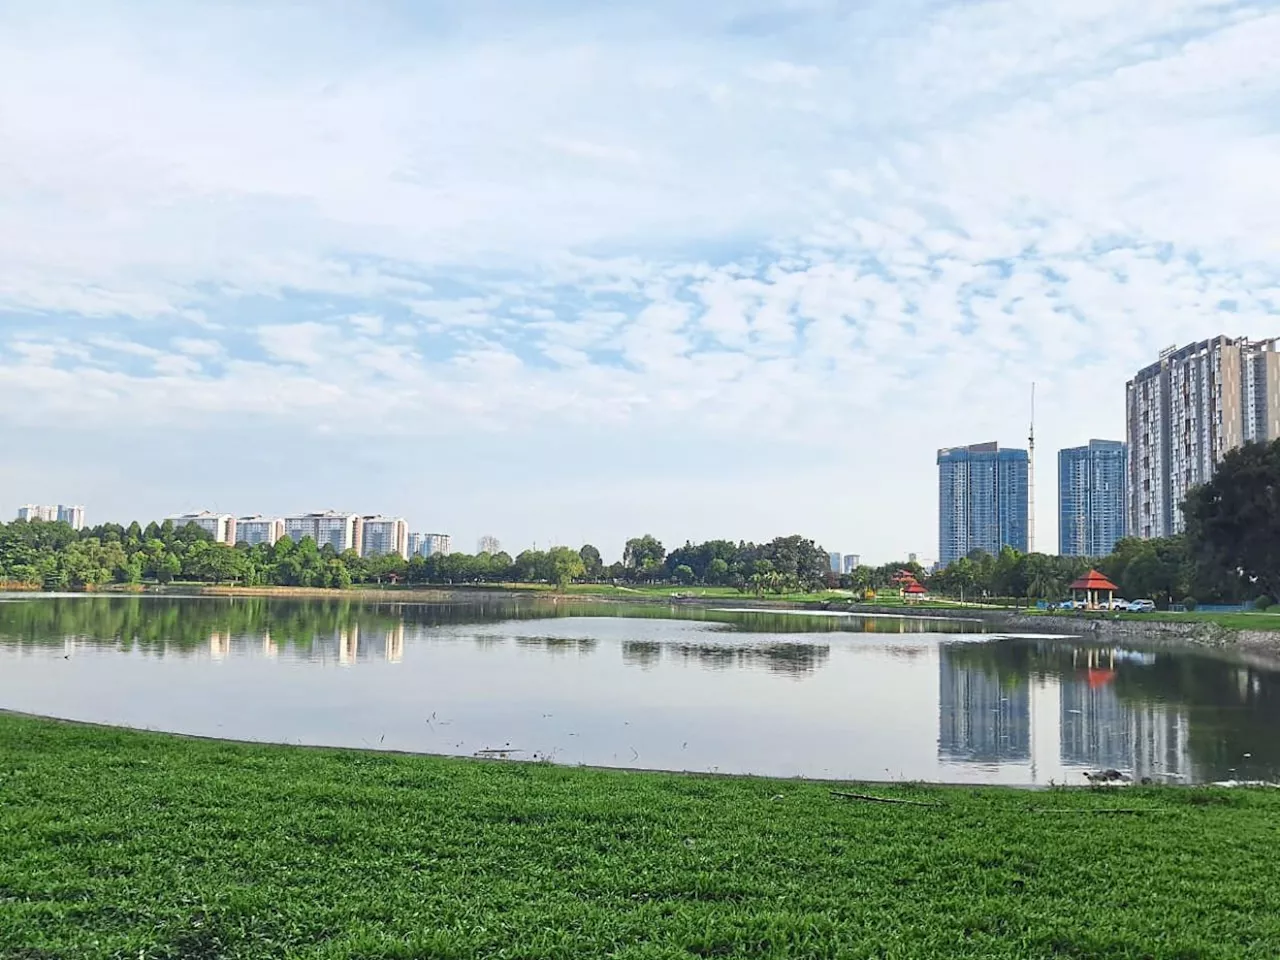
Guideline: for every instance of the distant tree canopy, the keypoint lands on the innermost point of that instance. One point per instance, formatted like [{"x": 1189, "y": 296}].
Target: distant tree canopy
[{"x": 53, "y": 556}]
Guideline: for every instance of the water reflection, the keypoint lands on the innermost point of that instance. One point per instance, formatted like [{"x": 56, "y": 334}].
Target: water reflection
[
  {"x": 1059, "y": 709},
  {"x": 675, "y": 687}
]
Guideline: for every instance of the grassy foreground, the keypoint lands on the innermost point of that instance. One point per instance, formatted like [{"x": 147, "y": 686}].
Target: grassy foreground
[{"x": 120, "y": 844}]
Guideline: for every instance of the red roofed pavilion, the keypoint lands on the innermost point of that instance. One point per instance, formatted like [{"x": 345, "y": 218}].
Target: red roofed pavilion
[
  {"x": 914, "y": 591},
  {"x": 1091, "y": 587}
]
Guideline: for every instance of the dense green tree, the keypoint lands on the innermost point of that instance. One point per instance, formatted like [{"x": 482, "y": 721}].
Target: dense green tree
[
  {"x": 1233, "y": 521},
  {"x": 644, "y": 553},
  {"x": 591, "y": 561},
  {"x": 564, "y": 565}
]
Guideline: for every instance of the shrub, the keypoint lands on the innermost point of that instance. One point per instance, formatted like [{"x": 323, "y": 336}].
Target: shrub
[
  {"x": 1190, "y": 603},
  {"x": 1264, "y": 602}
]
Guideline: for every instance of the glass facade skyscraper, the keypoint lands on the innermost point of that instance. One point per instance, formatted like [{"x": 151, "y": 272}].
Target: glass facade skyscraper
[
  {"x": 1092, "y": 509},
  {"x": 982, "y": 500}
]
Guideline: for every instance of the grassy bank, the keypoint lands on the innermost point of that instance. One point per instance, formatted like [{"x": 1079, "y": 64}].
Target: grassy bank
[{"x": 117, "y": 844}]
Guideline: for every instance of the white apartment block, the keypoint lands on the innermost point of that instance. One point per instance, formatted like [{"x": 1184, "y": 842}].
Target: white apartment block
[
  {"x": 384, "y": 536},
  {"x": 33, "y": 511},
  {"x": 427, "y": 544},
  {"x": 259, "y": 530},
  {"x": 73, "y": 516},
  {"x": 221, "y": 526},
  {"x": 339, "y": 530},
  {"x": 1185, "y": 413}
]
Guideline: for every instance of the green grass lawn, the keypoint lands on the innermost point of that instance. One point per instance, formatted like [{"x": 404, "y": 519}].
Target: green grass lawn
[{"x": 117, "y": 844}]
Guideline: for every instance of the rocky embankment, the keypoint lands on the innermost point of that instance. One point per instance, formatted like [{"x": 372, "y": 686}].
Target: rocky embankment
[{"x": 1199, "y": 632}]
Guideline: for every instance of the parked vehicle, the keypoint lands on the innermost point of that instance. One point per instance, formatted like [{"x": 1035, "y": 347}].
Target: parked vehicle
[
  {"x": 1118, "y": 604},
  {"x": 1142, "y": 606}
]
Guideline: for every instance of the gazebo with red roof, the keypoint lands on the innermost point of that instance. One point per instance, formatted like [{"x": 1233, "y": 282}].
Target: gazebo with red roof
[
  {"x": 914, "y": 591},
  {"x": 1091, "y": 587}
]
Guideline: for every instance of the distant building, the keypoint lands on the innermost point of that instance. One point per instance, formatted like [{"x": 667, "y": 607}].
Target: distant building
[
  {"x": 384, "y": 536},
  {"x": 259, "y": 530},
  {"x": 1185, "y": 413},
  {"x": 72, "y": 516},
  {"x": 428, "y": 544},
  {"x": 835, "y": 559},
  {"x": 982, "y": 500},
  {"x": 1092, "y": 482},
  {"x": 339, "y": 530},
  {"x": 488, "y": 544},
  {"x": 852, "y": 562},
  {"x": 221, "y": 526}
]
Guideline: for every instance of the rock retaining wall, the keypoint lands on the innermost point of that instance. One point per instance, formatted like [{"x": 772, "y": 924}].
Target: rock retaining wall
[{"x": 1195, "y": 632}]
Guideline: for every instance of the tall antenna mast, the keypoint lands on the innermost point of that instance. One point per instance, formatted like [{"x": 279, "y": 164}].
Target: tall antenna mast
[{"x": 1031, "y": 476}]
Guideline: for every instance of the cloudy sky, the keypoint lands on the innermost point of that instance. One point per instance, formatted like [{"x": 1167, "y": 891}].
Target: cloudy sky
[{"x": 565, "y": 271}]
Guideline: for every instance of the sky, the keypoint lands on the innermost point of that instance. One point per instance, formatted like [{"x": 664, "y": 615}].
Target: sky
[{"x": 568, "y": 272}]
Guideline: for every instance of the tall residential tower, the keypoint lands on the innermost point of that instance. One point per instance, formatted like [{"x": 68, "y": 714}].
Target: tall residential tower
[
  {"x": 982, "y": 500},
  {"x": 1091, "y": 498},
  {"x": 1185, "y": 412}
]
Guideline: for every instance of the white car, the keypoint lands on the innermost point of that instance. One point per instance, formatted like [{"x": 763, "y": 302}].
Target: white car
[{"x": 1118, "y": 604}]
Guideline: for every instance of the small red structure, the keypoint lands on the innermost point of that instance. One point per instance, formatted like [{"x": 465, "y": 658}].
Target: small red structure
[
  {"x": 914, "y": 591},
  {"x": 1090, "y": 589}
]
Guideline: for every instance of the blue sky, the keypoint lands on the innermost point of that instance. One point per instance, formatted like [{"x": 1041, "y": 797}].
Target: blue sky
[{"x": 568, "y": 272}]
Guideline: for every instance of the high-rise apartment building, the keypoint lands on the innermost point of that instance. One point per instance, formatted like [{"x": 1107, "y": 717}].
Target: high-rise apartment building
[
  {"x": 338, "y": 530},
  {"x": 1185, "y": 413},
  {"x": 488, "y": 544},
  {"x": 982, "y": 500},
  {"x": 1092, "y": 485},
  {"x": 34, "y": 511},
  {"x": 836, "y": 561},
  {"x": 384, "y": 536},
  {"x": 62, "y": 513},
  {"x": 852, "y": 562},
  {"x": 259, "y": 530},
  {"x": 427, "y": 544},
  {"x": 71, "y": 515},
  {"x": 221, "y": 526}
]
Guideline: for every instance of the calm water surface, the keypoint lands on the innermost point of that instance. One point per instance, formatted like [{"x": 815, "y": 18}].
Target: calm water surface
[{"x": 672, "y": 688}]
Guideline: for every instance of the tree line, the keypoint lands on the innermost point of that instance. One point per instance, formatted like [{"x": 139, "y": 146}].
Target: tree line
[
  {"x": 53, "y": 556},
  {"x": 1229, "y": 553}
]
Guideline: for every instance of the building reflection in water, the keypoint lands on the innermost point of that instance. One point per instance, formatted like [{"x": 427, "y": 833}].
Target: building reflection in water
[
  {"x": 1102, "y": 731},
  {"x": 982, "y": 717},
  {"x": 357, "y": 644},
  {"x": 1056, "y": 721},
  {"x": 348, "y": 644},
  {"x": 219, "y": 644}
]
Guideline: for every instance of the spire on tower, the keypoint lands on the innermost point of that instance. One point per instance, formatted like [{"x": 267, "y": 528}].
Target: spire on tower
[{"x": 1031, "y": 476}]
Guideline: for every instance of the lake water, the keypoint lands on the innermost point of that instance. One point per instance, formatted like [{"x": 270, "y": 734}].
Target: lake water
[{"x": 681, "y": 688}]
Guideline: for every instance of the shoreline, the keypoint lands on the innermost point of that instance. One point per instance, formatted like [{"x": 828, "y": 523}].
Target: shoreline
[{"x": 1028, "y": 788}]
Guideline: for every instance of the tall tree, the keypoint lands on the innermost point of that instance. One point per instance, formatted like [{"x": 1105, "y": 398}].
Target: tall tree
[
  {"x": 591, "y": 561},
  {"x": 1233, "y": 521},
  {"x": 643, "y": 553}
]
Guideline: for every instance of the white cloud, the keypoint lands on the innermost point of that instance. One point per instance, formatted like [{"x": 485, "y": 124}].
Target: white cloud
[{"x": 867, "y": 234}]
